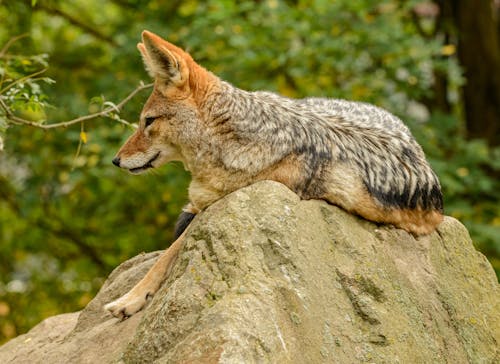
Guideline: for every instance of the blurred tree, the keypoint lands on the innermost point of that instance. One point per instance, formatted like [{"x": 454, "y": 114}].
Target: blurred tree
[{"x": 474, "y": 27}]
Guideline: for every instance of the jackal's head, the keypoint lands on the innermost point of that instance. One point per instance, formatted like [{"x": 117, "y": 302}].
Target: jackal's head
[{"x": 171, "y": 119}]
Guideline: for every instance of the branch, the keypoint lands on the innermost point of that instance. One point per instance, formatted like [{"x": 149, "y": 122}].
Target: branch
[
  {"x": 426, "y": 9},
  {"x": 9, "y": 43},
  {"x": 76, "y": 22},
  {"x": 66, "y": 234},
  {"x": 125, "y": 4},
  {"x": 22, "y": 79},
  {"x": 7, "y": 195},
  {"x": 104, "y": 113}
]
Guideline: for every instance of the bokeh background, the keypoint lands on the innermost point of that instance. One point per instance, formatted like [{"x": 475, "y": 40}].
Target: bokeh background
[{"x": 68, "y": 217}]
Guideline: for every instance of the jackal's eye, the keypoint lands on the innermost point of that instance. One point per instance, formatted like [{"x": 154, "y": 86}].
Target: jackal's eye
[{"x": 149, "y": 121}]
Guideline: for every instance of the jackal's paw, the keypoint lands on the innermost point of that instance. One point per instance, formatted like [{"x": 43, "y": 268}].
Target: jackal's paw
[{"x": 127, "y": 305}]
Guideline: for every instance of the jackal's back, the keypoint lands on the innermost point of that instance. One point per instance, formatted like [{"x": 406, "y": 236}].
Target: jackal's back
[{"x": 355, "y": 155}]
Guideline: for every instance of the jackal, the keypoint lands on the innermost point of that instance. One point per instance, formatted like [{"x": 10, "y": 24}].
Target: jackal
[{"x": 351, "y": 154}]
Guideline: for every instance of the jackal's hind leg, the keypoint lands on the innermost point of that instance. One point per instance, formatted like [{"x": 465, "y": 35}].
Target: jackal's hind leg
[{"x": 136, "y": 298}]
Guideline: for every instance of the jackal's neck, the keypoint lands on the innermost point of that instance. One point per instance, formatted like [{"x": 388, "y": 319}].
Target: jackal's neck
[
  {"x": 202, "y": 83},
  {"x": 262, "y": 111}
]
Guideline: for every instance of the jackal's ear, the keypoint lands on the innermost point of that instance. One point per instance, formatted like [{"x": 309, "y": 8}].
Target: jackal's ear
[
  {"x": 145, "y": 59},
  {"x": 160, "y": 61}
]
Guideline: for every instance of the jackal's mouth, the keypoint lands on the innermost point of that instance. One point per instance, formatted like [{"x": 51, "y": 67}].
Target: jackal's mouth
[{"x": 147, "y": 166}]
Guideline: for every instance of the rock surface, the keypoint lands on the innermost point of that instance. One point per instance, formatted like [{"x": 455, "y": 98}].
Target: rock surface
[{"x": 267, "y": 278}]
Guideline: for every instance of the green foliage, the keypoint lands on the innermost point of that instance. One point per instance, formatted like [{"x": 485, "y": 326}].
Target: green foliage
[
  {"x": 20, "y": 86},
  {"x": 67, "y": 216}
]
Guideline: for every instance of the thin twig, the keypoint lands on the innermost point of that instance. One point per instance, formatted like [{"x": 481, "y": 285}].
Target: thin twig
[
  {"x": 22, "y": 79},
  {"x": 9, "y": 43},
  {"x": 80, "y": 143},
  {"x": 76, "y": 22},
  {"x": 103, "y": 113}
]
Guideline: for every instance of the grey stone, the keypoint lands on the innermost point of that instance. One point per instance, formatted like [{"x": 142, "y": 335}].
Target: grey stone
[{"x": 264, "y": 277}]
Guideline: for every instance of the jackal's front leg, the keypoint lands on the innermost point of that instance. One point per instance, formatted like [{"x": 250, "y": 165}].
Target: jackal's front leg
[{"x": 136, "y": 298}]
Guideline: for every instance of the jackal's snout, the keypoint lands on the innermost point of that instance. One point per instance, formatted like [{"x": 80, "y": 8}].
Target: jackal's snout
[{"x": 116, "y": 161}]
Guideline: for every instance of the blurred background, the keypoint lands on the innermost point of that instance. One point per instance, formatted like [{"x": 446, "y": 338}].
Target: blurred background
[{"x": 68, "y": 217}]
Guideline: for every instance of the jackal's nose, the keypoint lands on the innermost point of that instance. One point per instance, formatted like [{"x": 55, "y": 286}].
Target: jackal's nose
[{"x": 116, "y": 161}]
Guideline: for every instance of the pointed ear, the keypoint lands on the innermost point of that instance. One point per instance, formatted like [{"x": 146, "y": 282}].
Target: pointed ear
[
  {"x": 161, "y": 61},
  {"x": 145, "y": 59}
]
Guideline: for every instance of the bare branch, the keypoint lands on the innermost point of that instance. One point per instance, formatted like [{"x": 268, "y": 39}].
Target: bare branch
[
  {"x": 103, "y": 113},
  {"x": 22, "y": 79},
  {"x": 10, "y": 42},
  {"x": 76, "y": 22}
]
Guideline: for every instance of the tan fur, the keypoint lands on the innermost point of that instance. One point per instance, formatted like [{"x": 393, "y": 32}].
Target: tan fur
[
  {"x": 136, "y": 298},
  {"x": 203, "y": 195},
  {"x": 217, "y": 182},
  {"x": 136, "y": 143},
  {"x": 350, "y": 194},
  {"x": 286, "y": 172},
  {"x": 418, "y": 222}
]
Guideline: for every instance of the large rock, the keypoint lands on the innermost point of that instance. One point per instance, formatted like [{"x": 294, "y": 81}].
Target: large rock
[{"x": 267, "y": 278}]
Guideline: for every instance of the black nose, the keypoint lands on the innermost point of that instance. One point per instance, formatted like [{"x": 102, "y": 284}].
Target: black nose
[{"x": 116, "y": 161}]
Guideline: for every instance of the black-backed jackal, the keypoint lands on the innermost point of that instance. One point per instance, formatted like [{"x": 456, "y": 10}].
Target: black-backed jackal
[{"x": 351, "y": 154}]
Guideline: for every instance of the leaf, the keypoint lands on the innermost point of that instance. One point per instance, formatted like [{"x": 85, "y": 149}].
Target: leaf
[
  {"x": 448, "y": 50},
  {"x": 97, "y": 100},
  {"x": 48, "y": 80},
  {"x": 111, "y": 105},
  {"x": 83, "y": 137},
  {"x": 4, "y": 124}
]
